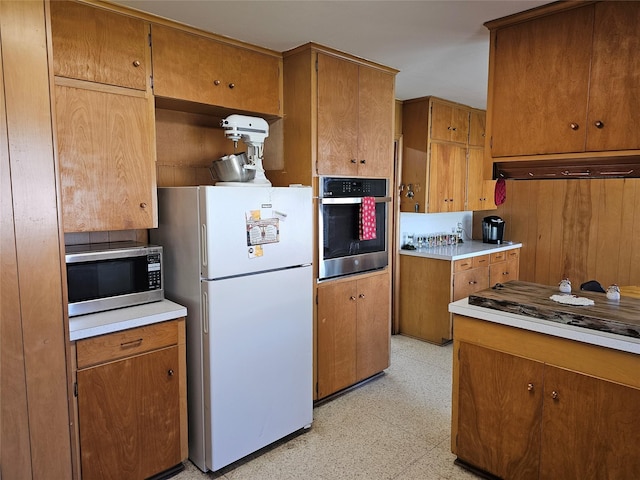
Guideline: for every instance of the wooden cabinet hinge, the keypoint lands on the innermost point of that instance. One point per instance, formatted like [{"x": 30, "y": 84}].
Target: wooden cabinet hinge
[
  {"x": 316, "y": 298},
  {"x": 75, "y": 389},
  {"x": 149, "y": 38}
]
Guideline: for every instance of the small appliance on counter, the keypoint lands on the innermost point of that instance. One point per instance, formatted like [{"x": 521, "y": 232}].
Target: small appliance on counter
[
  {"x": 106, "y": 276},
  {"x": 492, "y": 229}
]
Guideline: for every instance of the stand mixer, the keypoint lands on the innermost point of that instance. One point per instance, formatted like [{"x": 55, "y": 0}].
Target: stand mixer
[{"x": 252, "y": 131}]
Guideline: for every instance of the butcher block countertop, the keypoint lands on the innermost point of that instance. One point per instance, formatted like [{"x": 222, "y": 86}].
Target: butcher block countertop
[{"x": 608, "y": 323}]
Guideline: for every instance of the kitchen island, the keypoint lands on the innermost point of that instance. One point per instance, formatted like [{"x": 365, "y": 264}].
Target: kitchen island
[{"x": 543, "y": 389}]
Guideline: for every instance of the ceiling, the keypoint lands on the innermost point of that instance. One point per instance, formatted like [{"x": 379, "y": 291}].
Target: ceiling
[{"x": 440, "y": 46}]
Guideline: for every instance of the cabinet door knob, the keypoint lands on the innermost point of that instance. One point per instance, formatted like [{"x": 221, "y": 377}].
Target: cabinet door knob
[
  {"x": 361, "y": 295},
  {"x": 232, "y": 85},
  {"x": 554, "y": 395},
  {"x": 363, "y": 161},
  {"x": 505, "y": 273},
  {"x": 216, "y": 82},
  {"x": 574, "y": 126},
  {"x": 599, "y": 124},
  {"x": 530, "y": 387},
  {"x": 453, "y": 129},
  {"x": 170, "y": 372},
  {"x": 136, "y": 63},
  {"x": 143, "y": 205},
  {"x": 353, "y": 160},
  {"x": 352, "y": 298}
]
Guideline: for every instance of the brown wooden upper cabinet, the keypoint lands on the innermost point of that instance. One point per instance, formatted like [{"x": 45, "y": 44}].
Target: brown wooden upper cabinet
[
  {"x": 104, "y": 117},
  {"x": 477, "y": 128},
  {"x": 442, "y": 163},
  {"x": 201, "y": 69},
  {"x": 355, "y": 118},
  {"x": 99, "y": 46},
  {"x": 565, "y": 82},
  {"x": 449, "y": 122}
]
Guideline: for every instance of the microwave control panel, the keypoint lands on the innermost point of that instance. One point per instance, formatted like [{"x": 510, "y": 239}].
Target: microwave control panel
[{"x": 154, "y": 271}]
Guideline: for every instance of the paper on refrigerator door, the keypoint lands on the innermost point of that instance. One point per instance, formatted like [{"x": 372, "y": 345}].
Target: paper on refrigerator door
[{"x": 260, "y": 231}]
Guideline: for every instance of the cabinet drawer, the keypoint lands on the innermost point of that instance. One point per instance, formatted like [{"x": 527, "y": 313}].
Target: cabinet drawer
[
  {"x": 462, "y": 265},
  {"x": 114, "y": 346},
  {"x": 498, "y": 257},
  {"x": 513, "y": 254},
  {"x": 480, "y": 261}
]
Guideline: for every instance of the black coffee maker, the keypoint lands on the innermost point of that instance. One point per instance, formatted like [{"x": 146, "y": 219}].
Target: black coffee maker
[{"x": 492, "y": 229}]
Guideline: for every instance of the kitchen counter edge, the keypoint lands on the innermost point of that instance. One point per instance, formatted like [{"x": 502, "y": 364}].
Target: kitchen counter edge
[
  {"x": 570, "y": 332},
  {"x": 468, "y": 249},
  {"x": 94, "y": 324}
]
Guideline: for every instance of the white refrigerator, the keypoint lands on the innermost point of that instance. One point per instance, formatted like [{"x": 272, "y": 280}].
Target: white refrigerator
[{"x": 239, "y": 259}]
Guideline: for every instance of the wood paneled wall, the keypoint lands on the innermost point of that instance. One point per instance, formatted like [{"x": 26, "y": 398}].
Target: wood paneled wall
[
  {"x": 580, "y": 229},
  {"x": 35, "y": 421},
  {"x": 188, "y": 142}
]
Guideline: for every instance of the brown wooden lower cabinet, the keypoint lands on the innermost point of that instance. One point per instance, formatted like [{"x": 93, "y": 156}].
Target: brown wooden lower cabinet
[
  {"x": 498, "y": 413},
  {"x": 521, "y": 417},
  {"x": 353, "y": 331},
  {"x": 131, "y": 402},
  {"x": 428, "y": 285}
]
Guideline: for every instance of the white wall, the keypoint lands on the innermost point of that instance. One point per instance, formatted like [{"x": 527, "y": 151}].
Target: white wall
[{"x": 428, "y": 223}]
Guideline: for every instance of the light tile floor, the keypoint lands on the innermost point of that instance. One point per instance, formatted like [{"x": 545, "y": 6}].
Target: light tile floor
[{"x": 396, "y": 427}]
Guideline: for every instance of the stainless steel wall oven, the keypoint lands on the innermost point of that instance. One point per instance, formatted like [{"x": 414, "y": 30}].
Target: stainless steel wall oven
[{"x": 341, "y": 250}]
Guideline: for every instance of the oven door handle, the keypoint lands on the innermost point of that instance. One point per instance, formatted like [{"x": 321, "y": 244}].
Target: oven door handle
[{"x": 350, "y": 200}]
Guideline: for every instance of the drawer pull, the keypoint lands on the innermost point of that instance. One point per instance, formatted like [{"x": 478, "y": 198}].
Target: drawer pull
[
  {"x": 132, "y": 343},
  {"x": 170, "y": 372},
  {"x": 530, "y": 387},
  {"x": 472, "y": 282},
  {"x": 505, "y": 273}
]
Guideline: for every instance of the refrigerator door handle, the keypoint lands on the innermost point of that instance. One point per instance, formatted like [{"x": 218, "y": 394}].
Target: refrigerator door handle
[
  {"x": 203, "y": 243},
  {"x": 205, "y": 313}
]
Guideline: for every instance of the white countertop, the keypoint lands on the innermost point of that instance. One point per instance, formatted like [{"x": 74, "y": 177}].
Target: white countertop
[
  {"x": 570, "y": 332},
  {"x": 470, "y": 248},
  {"x": 93, "y": 324}
]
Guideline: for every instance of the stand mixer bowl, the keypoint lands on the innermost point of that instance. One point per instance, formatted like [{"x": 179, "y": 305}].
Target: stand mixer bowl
[{"x": 231, "y": 168}]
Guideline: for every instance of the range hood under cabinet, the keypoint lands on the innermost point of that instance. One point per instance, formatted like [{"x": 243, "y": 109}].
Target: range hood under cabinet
[{"x": 610, "y": 167}]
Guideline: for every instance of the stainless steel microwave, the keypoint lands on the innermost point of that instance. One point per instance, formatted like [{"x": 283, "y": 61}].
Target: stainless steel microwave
[{"x": 105, "y": 276}]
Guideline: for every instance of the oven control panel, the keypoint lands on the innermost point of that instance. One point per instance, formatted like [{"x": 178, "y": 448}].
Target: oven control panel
[{"x": 352, "y": 187}]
